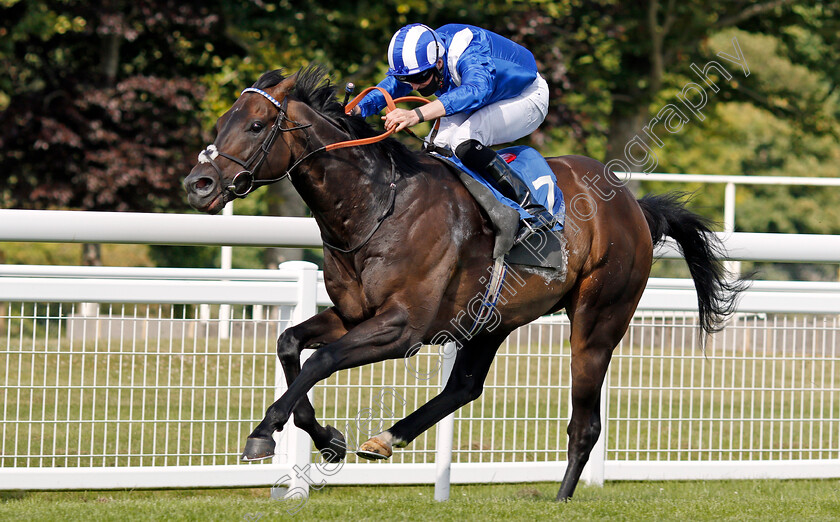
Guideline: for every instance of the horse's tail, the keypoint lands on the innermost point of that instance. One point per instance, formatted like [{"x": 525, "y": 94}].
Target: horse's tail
[{"x": 716, "y": 292}]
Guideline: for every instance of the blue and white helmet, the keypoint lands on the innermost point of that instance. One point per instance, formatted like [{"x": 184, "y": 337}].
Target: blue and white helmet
[{"x": 413, "y": 49}]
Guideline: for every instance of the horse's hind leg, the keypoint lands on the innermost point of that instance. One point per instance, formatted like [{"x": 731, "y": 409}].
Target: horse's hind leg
[
  {"x": 320, "y": 329},
  {"x": 599, "y": 317},
  {"x": 465, "y": 384}
]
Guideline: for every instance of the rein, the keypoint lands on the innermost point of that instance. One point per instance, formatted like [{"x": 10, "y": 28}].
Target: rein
[
  {"x": 244, "y": 183},
  {"x": 392, "y": 198}
]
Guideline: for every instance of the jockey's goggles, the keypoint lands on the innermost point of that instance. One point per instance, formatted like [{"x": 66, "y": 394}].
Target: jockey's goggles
[{"x": 416, "y": 78}]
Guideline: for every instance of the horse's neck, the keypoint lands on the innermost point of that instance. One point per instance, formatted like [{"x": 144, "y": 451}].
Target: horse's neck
[
  {"x": 346, "y": 193},
  {"x": 346, "y": 189}
]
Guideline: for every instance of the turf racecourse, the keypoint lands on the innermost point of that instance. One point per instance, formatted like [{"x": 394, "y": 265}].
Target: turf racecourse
[{"x": 712, "y": 500}]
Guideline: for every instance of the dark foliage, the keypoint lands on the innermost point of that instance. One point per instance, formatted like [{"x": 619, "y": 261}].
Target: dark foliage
[{"x": 104, "y": 115}]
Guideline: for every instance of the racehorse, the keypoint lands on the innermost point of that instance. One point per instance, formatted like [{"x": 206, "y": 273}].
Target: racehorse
[{"x": 406, "y": 247}]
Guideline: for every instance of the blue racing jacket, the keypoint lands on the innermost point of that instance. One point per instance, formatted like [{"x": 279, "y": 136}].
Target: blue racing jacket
[{"x": 480, "y": 68}]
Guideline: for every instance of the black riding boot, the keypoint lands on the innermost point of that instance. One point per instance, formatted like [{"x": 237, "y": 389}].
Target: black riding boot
[{"x": 484, "y": 159}]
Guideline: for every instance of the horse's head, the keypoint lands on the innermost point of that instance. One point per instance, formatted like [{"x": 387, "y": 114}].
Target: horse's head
[
  {"x": 243, "y": 156},
  {"x": 303, "y": 113}
]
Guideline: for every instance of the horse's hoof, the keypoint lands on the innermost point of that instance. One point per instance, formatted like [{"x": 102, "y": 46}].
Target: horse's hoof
[
  {"x": 375, "y": 449},
  {"x": 336, "y": 448},
  {"x": 257, "y": 449}
]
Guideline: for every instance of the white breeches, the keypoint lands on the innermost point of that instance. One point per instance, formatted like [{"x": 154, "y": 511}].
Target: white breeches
[{"x": 501, "y": 122}]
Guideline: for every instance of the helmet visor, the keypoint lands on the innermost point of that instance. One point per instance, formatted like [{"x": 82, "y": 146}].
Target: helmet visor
[{"x": 416, "y": 78}]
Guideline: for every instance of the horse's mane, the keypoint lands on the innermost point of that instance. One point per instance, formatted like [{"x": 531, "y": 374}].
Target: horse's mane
[{"x": 313, "y": 87}]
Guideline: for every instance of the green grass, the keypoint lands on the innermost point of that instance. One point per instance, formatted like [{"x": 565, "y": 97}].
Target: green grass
[{"x": 714, "y": 500}]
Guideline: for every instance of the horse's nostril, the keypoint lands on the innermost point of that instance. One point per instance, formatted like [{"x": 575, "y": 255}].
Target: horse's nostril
[{"x": 201, "y": 184}]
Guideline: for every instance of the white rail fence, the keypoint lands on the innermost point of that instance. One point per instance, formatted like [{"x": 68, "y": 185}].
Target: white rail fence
[
  {"x": 731, "y": 183},
  {"x": 146, "y": 393}
]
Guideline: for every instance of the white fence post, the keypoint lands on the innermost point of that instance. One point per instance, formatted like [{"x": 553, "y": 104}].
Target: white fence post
[
  {"x": 294, "y": 445},
  {"x": 593, "y": 473},
  {"x": 226, "y": 264},
  {"x": 445, "y": 431},
  {"x": 733, "y": 267}
]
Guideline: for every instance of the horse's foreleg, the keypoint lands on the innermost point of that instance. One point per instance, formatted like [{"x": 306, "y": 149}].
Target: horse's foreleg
[
  {"x": 316, "y": 331},
  {"x": 385, "y": 336},
  {"x": 465, "y": 384}
]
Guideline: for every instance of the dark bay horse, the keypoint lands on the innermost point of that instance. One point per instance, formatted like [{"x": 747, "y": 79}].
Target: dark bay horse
[{"x": 407, "y": 247}]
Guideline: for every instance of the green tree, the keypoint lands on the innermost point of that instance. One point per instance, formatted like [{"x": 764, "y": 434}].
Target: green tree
[
  {"x": 610, "y": 63},
  {"x": 102, "y": 101}
]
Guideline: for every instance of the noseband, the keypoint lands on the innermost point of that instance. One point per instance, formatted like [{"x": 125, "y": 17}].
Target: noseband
[{"x": 243, "y": 182}]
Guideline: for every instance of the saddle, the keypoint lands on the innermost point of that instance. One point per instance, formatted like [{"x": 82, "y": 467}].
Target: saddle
[{"x": 546, "y": 248}]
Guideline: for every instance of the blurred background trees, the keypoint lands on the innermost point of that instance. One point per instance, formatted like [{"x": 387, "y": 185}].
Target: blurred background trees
[{"x": 105, "y": 106}]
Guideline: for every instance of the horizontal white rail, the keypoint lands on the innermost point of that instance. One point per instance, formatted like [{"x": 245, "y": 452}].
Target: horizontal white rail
[
  {"x": 128, "y": 272},
  {"x": 44, "y": 283},
  {"x": 266, "y": 474},
  {"x": 145, "y": 477},
  {"x": 721, "y": 470},
  {"x": 361, "y": 474},
  {"x": 782, "y": 248},
  {"x": 65, "y": 226},
  {"x": 192, "y": 229},
  {"x": 802, "y": 297},
  {"x": 68, "y": 284},
  {"x": 737, "y": 180},
  {"x": 150, "y": 292}
]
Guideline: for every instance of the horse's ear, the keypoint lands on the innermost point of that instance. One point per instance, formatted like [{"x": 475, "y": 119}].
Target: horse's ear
[{"x": 284, "y": 87}]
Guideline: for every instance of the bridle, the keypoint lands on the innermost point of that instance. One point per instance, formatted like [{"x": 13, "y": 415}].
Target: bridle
[{"x": 243, "y": 182}]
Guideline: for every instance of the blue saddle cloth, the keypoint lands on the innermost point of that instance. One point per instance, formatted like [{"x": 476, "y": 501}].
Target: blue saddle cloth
[{"x": 531, "y": 168}]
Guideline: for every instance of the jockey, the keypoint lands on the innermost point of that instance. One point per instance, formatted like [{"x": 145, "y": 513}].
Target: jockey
[{"x": 488, "y": 93}]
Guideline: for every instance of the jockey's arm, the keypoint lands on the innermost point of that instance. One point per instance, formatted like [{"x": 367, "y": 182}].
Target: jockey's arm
[
  {"x": 375, "y": 101},
  {"x": 432, "y": 110},
  {"x": 402, "y": 118}
]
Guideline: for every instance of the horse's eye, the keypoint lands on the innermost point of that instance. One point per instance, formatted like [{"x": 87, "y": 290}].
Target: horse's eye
[{"x": 257, "y": 126}]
